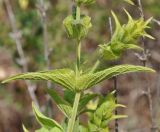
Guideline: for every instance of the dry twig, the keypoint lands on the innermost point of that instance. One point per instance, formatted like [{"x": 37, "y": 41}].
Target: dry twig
[
  {"x": 144, "y": 59},
  {"x": 16, "y": 35},
  {"x": 115, "y": 81}
]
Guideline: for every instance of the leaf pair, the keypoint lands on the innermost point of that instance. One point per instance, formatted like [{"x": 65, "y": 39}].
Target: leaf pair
[
  {"x": 69, "y": 80},
  {"x": 125, "y": 37}
]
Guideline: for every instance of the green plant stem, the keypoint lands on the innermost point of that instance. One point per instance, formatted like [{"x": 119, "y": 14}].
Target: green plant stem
[
  {"x": 74, "y": 113},
  {"x": 78, "y": 56},
  {"x": 71, "y": 122},
  {"x": 78, "y": 15}
]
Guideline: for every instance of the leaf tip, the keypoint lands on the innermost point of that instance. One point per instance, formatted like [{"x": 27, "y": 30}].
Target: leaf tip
[{"x": 4, "y": 81}]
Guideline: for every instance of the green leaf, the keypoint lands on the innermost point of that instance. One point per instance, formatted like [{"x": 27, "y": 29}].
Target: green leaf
[
  {"x": 118, "y": 117},
  {"x": 118, "y": 25},
  {"x": 63, "y": 77},
  {"x": 24, "y": 129},
  {"x": 46, "y": 130},
  {"x": 64, "y": 106},
  {"x": 45, "y": 121},
  {"x": 88, "y": 80},
  {"x": 83, "y": 129},
  {"x": 125, "y": 37},
  {"x": 69, "y": 96},
  {"x": 130, "y": 2},
  {"x": 107, "y": 52},
  {"x": 85, "y": 99},
  {"x": 42, "y": 130},
  {"x": 86, "y": 2},
  {"x": 68, "y": 79}
]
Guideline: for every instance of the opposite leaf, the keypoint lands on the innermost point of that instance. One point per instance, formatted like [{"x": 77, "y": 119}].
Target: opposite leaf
[
  {"x": 64, "y": 106},
  {"x": 63, "y": 77},
  {"x": 45, "y": 121},
  {"x": 88, "y": 80}
]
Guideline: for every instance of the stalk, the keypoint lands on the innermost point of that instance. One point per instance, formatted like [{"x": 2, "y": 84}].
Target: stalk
[
  {"x": 74, "y": 113},
  {"x": 72, "y": 120},
  {"x": 144, "y": 61},
  {"x": 115, "y": 82},
  {"x": 78, "y": 57}
]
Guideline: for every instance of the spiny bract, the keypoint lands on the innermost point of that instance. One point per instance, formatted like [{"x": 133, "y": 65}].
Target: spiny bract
[{"x": 125, "y": 37}]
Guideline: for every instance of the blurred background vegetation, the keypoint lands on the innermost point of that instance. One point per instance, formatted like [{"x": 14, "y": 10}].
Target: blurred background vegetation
[{"x": 15, "y": 102}]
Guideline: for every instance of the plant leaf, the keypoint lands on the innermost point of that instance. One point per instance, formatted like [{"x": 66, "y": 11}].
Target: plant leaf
[
  {"x": 68, "y": 79},
  {"x": 42, "y": 130},
  {"x": 64, "y": 106},
  {"x": 63, "y": 77},
  {"x": 69, "y": 96},
  {"x": 45, "y": 121},
  {"x": 24, "y": 128},
  {"x": 46, "y": 130},
  {"x": 85, "y": 99},
  {"x": 117, "y": 117},
  {"x": 130, "y": 2},
  {"x": 88, "y": 80}
]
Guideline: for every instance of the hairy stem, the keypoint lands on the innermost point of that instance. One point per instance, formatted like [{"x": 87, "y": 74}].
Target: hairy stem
[
  {"x": 74, "y": 113},
  {"x": 72, "y": 120},
  {"x": 78, "y": 57},
  {"x": 78, "y": 15}
]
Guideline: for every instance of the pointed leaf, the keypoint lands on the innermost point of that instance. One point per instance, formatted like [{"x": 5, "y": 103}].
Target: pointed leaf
[
  {"x": 118, "y": 117},
  {"x": 45, "y": 121},
  {"x": 148, "y": 36},
  {"x": 24, "y": 129},
  {"x": 132, "y": 46},
  {"x": 130, "y": 2},
  {"x": 89, "y": 80},
  {"x": 63, "y": 77},
  {"x": 64, "y": 106},
  {"x": 46, "y": 130},
  {"x": 129, "y": 16},
  {"x": 118, "y": 25}
]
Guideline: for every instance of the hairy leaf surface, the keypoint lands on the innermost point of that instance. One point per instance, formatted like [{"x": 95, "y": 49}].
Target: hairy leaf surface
[
  {"x": 68, "y": 79},
  {"x": 64, "y": 77}
]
